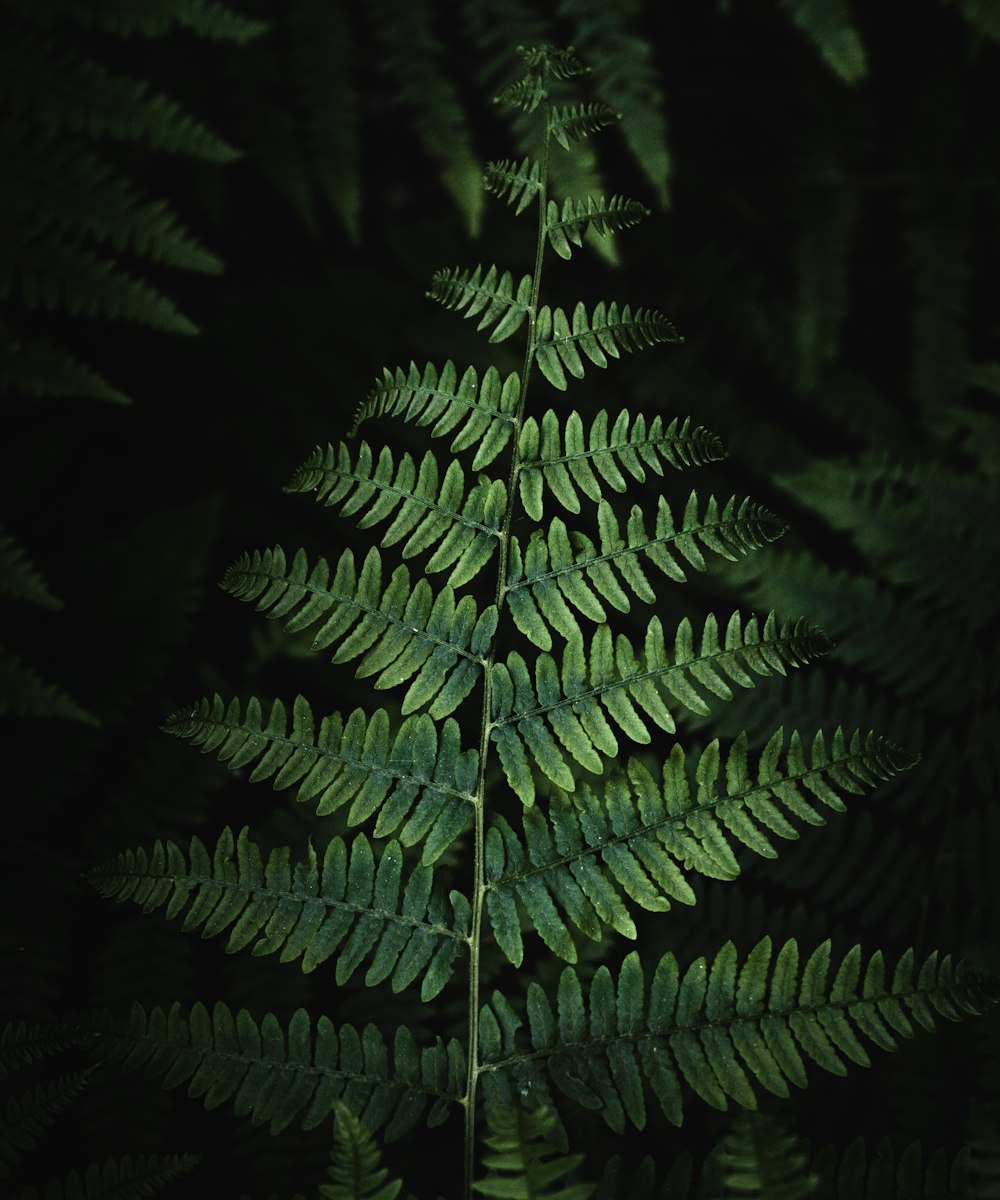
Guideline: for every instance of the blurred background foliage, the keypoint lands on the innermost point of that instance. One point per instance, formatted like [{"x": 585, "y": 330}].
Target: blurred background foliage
[{"x": 216, "y": 228}]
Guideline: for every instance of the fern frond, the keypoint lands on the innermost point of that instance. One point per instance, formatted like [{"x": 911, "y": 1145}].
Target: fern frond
[
  {"x": 759, "y": 1157},
  {"x": 61, "y": 90},
  {"x": 420, "y": 778},
  {"x": 22, "y": 1043},
  {"x": 524, "y": 1159},
  {"x": 577, "y": 121},
  {"x": 607, "y": 332},
  {"x": 577, "y": 703},
  {"x": 400, "y": 633},
  {"x": 427, "y": 510},
  {"x": 323, "y": 55},
  {"x": 414, "y": 59},
  {"x": 487, "y": 406},
  {"x": 60, "y": 182},
  {"x": 565, "y": 458},
  {"x": 277, "y": 1075},
  {"x": 348, "y": 905},
  {"x": 621, "y": 54},
  {"x": 24, "y": 693},
  {"x": 861, "y": 1171},
  {"x": 565, "y": 227},
  {"x": 725, "y": 1029},
  {"x": 525, "y": 94},
  {"x": 355, "y": 1163},
  {"x": 515, "y": 184},
  {"x": 38, "y": 368},
  {"x": 122, "y": 1177},
  {"x": 829, "y": 25},
  {"x": 557, "y": 62},
  {"x": 153, "y": 18},
  {"x": 638, "y": 840},
  {"x": 25, "y": 1118},
  {"x": 492, "y": 294},
  {"x": 20, "y": 579},
  {"x": 563, "y": 570},
  {"x": 54, "y": 274}
]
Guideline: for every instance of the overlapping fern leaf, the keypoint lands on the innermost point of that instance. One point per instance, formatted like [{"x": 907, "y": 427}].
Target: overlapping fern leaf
[
  {"x": 553, "y": 758},
  {"x": 635, "y": 840},
  {"x": 725, "y": 1029}
]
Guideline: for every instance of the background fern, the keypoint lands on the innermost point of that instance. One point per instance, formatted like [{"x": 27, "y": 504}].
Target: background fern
[{"x": 736, "y": 265}]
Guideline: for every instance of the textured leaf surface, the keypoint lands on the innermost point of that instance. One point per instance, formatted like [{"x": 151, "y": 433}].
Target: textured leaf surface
[
  {"x": 419, "y": 781},
  {"x": 347, "y": 905},
  {"x": 429, "y": 510},
  {"x": 572, "y": 708},
  {"x": 400, "y": 633},
  {"x": 277, "y": 1074},
  {"x": 485, "y": 409},
  {"x": 567, "y": 460},
  {"x": 726, "y": 1029},
  {"x": 596, "y": 852}
]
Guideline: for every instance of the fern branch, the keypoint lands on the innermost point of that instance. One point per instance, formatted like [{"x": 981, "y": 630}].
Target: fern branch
[
  {"x": 517, "y": 184},
  {"x": 566, "y": 227},
  {"x": 400, "y": 633},
  {"x": 355, "y": 1172},
  {"x": 426, "y": 510},
  {"x": 20, "y": 579},
  {"x": 347, "y": 905},
  {"x": 549, "y": 582},
  {"x": 573, "y": 703},
  {"x": 38, "y": 368},
  {"x": 277, "y": 1075},
  {"x": 524, "y": 1159},
  {"x": 606, "y": 332},
  {"x": 443, "y": 401},
  {"x": 24, "y": 1119},
  {"x": 421, "y": 776},
  {"x": 638, "y": 840},
  {"x": 153, "y": 18},
  {"x": 565, "y": 458},
  {"x": 725, "y": 1029},
  {"x": 472, "y": 293},
  {"x": 24, "y": 693},
  {"x": 576, "y": 121},
  {"x": 123, "y": 1177}
]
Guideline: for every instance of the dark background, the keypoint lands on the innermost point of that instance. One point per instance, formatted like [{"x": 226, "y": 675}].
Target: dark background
[{"x": 829, "y": 251}]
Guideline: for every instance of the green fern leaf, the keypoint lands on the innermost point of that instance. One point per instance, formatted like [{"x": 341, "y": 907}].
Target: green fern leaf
[
  {"x": 426, "y": 509},
  {"x": 516, "y": 184},
  {"x": 829, "y": 25},
  {"x": 861, "y": 1171},
  {"x": 322, "y": 56},
  {"x": 122, "y": 1177},
  {"x": 487, "y": 407},
  {"x": 92, "y": 199},
  {"x": 414, "y": 59},
  {"x": 419, "y": 779},
  {"x": 553, "y": 61},
  {"x": 277, "y": 1075},
  {"x": 621, "y": 54},
  {"x": 20, "y": 578},
  {"x": 579, "y": 121},
  {"x": 607, "y": 332},
  {"x": 723, "y": 1028},
  {"x": 355, "y": 1170},
  {"x": 61, "y": 90},
  {"x": 38, "y": 368},
  {"x": 55, "y": 275},
  {"x": 22, "y": 1043},
  {"x": 153, "y": 18},
  {"x": 565, "y": 227},
  {"x": 575, "y": 705},
  {"x": 524, "y": 1159},
  {"x": 348, "y": 904},
  {"x": 637, "y": 840},
  {"x": 565, "y": 459},
  {"x": 24, "y": 693},
  {"x": 400, "y": 633},
  {"x": 564, "y": 570},
  {"x": 760, "y": 1158},
  {"x": 25, "y": 1118},
  {"x": 492, "y": 295}
]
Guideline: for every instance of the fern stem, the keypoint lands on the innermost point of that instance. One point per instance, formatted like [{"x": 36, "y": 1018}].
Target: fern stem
[{"x": 479, "y": 888}]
